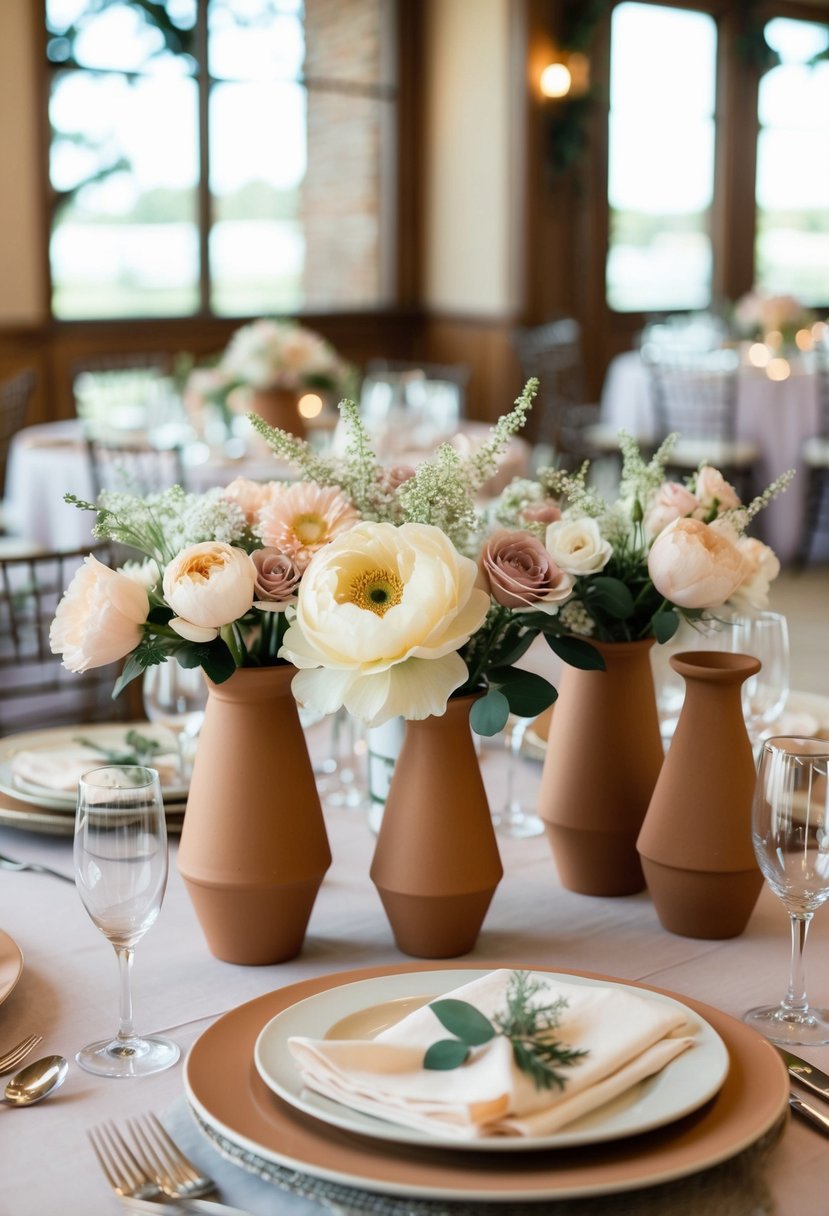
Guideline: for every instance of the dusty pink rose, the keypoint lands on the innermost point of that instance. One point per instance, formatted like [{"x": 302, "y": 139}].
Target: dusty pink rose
[
  {"x": 546, "y": 512},
  {"x": 672, "y": 501},
  {"x": 397, "y": 475},
  {"x": 99, "y": 618},
  {"x": 713, "y": 490},
  {"x": 521, "y": 574},
  {"x": 277, "y": 580},
  {"x": 695, "y": 565}
]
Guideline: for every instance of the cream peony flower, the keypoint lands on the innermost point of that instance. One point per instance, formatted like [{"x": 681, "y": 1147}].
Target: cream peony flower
[
  {"x": 99, "y": 617},
  {"x": 696, "y": 565},
  {"x": 208, "y": 585},
  {"x": 381, "y": 614},
  {"x": 300, "y": 519},
  {"x": 577, "y": 547},
  {"x": 713, "y": 490},
  {"x": 671, "y": 501},
  {"x": 763, "y": 568}
]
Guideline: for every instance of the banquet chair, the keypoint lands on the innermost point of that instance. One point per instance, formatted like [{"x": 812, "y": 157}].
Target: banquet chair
[
  {"x": 133, "y": 468},
  {"x": 694, "y": 394},
  {"x": 814, "y": 456},
  {"x": 35, "y": 689},
  {"x": 15, "y": 395},
  {"x": 564, "y": 427}
]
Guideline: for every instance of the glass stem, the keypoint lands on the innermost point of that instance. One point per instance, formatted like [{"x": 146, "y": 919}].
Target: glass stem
[
  {"x": 126, "y": 1028},
  {"x": 795, "y": 998}
]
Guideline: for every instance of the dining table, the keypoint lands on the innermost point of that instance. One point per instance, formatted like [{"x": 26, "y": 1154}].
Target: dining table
[
  {"x": 58, "y": 979},
  {"x": 776, "y": 415}
]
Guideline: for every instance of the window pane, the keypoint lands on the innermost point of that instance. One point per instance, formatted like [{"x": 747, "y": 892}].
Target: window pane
[
  {"x": 792, "y": 249},
  {"x": 660, "y": 158},
  {"x": 256, "y": 39},
  {"x": 124, "y": 155},
  {"x": 119, "y": 36}
]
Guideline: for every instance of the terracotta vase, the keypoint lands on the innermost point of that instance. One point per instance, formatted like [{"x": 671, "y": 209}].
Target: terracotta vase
[
  {"x": 278, "y": 407},
  {"x": 253, "y": 849},
  {"x": 695, "y": 842},
  {"x": 436, "y": 863},
  {"x": 603, "y": 757}
]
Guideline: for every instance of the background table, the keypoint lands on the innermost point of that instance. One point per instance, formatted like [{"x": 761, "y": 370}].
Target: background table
[
  {"x": 67, "y": 992},
  {"x": 776, "y": 415}
]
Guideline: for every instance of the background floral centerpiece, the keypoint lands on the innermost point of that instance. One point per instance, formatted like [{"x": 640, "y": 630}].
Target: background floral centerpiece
[{"x": 769, "y": 318}]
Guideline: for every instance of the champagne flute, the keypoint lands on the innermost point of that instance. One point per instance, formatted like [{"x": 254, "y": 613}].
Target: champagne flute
[
  {"x": 175, "y": 697},
  {"x": 764, "y": 635},
  {"x": 121, "y": 874},
  {"x": 790, "y": 831}
]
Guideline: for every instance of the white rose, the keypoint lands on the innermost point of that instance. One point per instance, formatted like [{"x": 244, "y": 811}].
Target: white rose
[
  {"x": 207, "y": 586},
  {"x": 695, "y": 565},
  {"x": 577, "y": 547},
  {"x": 381, "y": 614},
  {"x": 712, "y": 489},
  {"x": 763, "y": 568},
  {"x": 99, "y": 617}
]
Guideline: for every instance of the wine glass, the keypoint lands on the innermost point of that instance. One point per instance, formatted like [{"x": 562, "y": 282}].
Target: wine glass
[
  {"x": 514, "y": 819},
  {"x": 764, "y": 635},
  {"x": 175, "y": 697},
  {"x": 790, "y": 831},
  {"x": 121, "y": 874}
]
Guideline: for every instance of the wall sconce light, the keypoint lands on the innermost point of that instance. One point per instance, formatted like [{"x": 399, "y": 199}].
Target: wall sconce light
[{"x": 568, "y": 75}]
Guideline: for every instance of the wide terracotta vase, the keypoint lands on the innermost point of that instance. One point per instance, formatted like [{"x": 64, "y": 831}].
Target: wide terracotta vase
[
  {"x": 602, "y": 759},
  {"x": 278, "y": 407},
  {"x": 695, "y": 842},
  {"x": 254, "y": 848},
  {"x": 436, "y": 863}
]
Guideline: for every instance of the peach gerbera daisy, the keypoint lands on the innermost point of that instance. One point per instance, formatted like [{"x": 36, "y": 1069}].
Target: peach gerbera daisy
[{"x": 303, "y": 517}]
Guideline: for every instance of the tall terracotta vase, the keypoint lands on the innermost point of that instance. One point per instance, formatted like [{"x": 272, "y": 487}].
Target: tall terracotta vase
[
  {"x": 603, "y": 756},
  {"x": 278, "y": 406},
  {"x": 695, "y": 842},
  {"x": 436, "y": 863},
  {"x": 254, "y": 849}
]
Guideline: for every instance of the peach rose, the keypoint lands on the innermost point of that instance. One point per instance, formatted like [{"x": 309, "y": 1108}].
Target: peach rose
[
  {"x": 713, "y": 490},
  {"x": 251, "y": 496},
  {"x": 207, "y": 586},
  {"x": 763, "y": 568},
  {"x": 672, "y": 501},
  {"x": 694, "y": 565},
  {"x": 99, "y": 617},
  {"x": 521, "y": 574}
]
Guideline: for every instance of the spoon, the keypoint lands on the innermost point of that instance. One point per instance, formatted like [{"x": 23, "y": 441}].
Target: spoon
[{"x": 36, "y": 1081}]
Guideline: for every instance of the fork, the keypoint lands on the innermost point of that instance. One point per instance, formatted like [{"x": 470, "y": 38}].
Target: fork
[
  {"x": 132, "y": 1177},
  {"x": 9, "y": 863},
  {"x": 174, "y": 1173},
  {"x": 14, "y": 1055}
]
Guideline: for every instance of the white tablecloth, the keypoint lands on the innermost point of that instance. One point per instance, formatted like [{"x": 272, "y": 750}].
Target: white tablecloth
[
  {"x": 776, "y": 415},
  {"x": 67, "y": 992}
]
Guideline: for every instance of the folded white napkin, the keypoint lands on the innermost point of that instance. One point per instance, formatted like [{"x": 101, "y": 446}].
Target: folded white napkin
[
  {"x": 61, "y": 768},
  {"x": 627, "y": 1037}
]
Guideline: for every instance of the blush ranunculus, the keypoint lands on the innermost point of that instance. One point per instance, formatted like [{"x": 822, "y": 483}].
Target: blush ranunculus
[
  {"x": 208, "y": 585},
  {"x": 99, "y": 617},
  {"x": 381, "y": 614},
  {"x": 277, "y": 580},
  {"x": 713, "y": 490},
  {"x": 577, "y": 546},
  {"x": 546, "y": 512},
  {"x": 695, "y": 565},
  {"x": 671, "y": 501},
  {"x": 521, "y": 574}
]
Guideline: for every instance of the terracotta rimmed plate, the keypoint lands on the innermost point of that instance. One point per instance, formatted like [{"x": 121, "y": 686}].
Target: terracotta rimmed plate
[
  {"x": 679, "y": 1088},
  {"x": 11, "y": 965},
  {"x": 229, "y": 1096}
]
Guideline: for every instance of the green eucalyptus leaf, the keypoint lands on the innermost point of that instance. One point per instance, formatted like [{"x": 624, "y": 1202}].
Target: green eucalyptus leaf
[
  {"x": 218, "y": 662},
  {"x": 611, "y": 596},
  {"x": 664, "y": 625},
  {"x": 132, "y": 669},
  {"x": 528, "y": 694},
  {"x": 511, "y": 653},
  {"x": 576, "y": 652},
  {"x": 464, "y": 1020},
  {"x": 490, "y": 714},
  {"x": 445, "y": 1054}
]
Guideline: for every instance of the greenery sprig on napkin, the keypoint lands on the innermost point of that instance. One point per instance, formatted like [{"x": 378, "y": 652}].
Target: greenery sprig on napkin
[
  {"x": 528, "y": 1027},
  {"x": 139, "y": 749}
]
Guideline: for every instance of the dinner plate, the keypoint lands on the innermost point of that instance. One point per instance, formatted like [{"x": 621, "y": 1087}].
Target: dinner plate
[
  {"x": 11, "y": 965},
  {"x": 52, "y": 821},
  {"x": 368, "y": 1006},
  {"x": 229, "y": 1097},
  {"x": 105, "y": 734}
]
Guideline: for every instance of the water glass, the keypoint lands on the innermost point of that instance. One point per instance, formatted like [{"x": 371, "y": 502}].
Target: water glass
[
  {"x": 764, "y": 635},
  {"x": 121, "y": 875},
  {"x": 790, "y": 832},
  {"x": 175, "y": 697}
]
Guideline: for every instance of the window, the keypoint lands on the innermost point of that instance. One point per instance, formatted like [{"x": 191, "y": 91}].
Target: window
[
  {"x": 249, "y": 178},
  {"x": 660, "y": 158},
  {"x": 792, "y": 245}
]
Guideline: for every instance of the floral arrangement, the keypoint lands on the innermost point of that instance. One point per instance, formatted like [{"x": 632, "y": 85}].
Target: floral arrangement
[
  {"x": 389, "y": 590},
  {"x": 758, "y": 315},
  {"x": 268, "y": 354}
]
